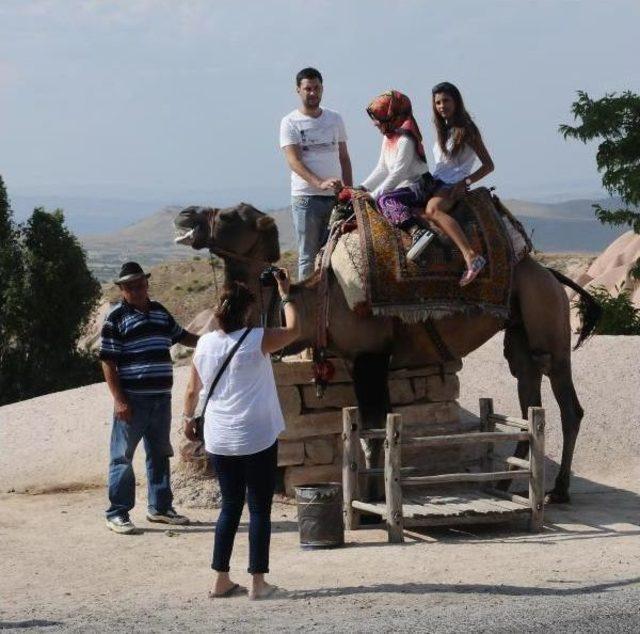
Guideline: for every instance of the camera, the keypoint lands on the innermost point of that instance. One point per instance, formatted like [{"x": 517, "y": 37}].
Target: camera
[{"x": 268, "y": 276}]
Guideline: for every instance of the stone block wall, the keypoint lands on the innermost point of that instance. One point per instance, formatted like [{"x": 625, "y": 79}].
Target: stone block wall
[{"x": 310, "y": 448}]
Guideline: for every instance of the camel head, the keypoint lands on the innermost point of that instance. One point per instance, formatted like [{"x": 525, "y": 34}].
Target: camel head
[{"x": 242, "y": 230}]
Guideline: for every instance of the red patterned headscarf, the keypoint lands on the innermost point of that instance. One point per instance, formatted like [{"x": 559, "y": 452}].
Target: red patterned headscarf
[{"x": 393, "y": 110}]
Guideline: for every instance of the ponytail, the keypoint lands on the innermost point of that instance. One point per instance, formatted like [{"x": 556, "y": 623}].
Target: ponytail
[{"x": 233, "y": 306}]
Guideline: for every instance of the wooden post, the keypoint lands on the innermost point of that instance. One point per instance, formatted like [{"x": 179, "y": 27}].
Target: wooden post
[
  {"x": 536, "y": 460},
  {"x": 487, "y": 425},
  {"x": 393, "y": 490},
  {"x": 350, "y": 461}
]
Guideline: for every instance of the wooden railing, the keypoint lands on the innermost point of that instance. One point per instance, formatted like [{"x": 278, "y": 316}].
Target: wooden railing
[{"x": 530, "y": 430}]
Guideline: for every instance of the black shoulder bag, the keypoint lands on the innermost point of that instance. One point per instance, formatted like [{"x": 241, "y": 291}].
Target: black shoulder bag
[{"x": 198, "y": 421}]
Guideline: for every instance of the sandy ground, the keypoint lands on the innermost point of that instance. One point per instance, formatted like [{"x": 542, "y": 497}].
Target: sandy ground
[{"x": 62, "y": 570}]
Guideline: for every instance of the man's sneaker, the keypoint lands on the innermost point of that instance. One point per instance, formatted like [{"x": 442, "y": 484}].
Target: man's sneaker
[
  {"x": 419, "y": 242},
  {"x": 168, "y": 517},
  {"x": 122, "y": 524}
]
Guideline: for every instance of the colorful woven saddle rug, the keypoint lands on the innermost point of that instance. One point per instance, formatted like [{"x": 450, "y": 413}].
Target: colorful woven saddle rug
[{"x": 376, "y": 277}]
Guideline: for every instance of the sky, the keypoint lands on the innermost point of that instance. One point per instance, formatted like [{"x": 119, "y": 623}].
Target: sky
[{"x": 181, "y": 100}]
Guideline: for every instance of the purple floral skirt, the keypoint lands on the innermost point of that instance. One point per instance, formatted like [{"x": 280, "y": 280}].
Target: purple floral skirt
[{"x": 401, "y": 206}]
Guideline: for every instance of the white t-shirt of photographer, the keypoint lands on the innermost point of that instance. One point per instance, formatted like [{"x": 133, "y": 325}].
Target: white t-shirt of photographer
[{"x": 317, "y": 138}]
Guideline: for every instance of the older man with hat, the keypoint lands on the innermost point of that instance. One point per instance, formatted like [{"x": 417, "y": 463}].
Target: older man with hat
[{"x": 136, "y": 338}]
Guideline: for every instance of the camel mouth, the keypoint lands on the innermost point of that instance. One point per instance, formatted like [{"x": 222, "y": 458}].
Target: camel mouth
[{"x": 185, "y": 236}]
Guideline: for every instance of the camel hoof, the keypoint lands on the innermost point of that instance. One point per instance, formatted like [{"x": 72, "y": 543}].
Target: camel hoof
[{"x": 557, "y": 497}]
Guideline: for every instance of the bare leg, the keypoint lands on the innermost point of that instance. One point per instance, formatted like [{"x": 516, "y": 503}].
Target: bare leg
[{"x": 437, "y": 212}]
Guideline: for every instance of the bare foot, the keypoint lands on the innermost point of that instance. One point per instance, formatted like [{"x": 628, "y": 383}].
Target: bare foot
[{"x": 262, "y": 591}]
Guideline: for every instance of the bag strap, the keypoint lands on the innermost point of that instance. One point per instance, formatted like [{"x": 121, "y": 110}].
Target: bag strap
[{"x": 223, "y": 367}]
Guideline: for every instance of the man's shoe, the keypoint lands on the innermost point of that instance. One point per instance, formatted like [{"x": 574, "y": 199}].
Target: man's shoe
[
  {"x": 122, "y": 524},
  {"x": 419, "y": 242},
  {"x": 168, "y": 517}
]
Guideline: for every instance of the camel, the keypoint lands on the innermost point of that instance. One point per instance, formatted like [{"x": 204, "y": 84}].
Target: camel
[{"x": 537, "y": 336}]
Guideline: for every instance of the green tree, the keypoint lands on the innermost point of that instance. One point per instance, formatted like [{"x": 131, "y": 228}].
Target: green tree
[
  {"x": 10, "y": 277},
  {"x": 47, "y": 298},
  {"x": 615, "y": 119},
  {"x": 58, "y": 297}
]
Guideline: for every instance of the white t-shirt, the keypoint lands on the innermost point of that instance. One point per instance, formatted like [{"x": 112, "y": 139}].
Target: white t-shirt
[
  {"x": 398, "y": 166},
  {"x": 453, "y": 169},
  {"x": 317, "y": 138},
  {"x": 243, "y": 415}
]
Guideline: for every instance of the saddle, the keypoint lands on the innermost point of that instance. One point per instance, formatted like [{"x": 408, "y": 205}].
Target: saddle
[{"x": 376, "y": 278}]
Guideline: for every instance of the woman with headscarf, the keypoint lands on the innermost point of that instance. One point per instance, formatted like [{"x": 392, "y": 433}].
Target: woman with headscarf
[{"x": 400, "y": 183}]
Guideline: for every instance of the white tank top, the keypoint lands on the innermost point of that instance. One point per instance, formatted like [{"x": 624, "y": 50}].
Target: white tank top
[
  {"x": 243, "y": 416},
  {"x": 453, "y": 169}
]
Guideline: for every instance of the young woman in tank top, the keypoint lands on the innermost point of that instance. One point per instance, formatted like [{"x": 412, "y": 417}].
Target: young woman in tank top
[{"x": 458, "y": 146}]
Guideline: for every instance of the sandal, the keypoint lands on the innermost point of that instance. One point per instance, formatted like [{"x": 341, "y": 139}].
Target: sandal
[
  {"x": 230, "y": 592},
  {"x": 272, "y": 592},
  {"x": 477, "y": 264}
]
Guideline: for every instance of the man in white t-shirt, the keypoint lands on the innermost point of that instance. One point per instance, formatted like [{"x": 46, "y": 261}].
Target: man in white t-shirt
[{"x": 314, "y": 141}]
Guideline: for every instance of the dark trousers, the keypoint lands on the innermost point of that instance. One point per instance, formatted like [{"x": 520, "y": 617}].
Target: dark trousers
[{"x": 254, "y": 474}]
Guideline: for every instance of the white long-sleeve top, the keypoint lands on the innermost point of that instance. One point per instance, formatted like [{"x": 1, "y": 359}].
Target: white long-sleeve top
[{"x": 398, "y": 166}]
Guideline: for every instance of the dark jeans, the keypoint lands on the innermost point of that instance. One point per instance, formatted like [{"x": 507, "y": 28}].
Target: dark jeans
[
  {"x": 255, "y": 474},
  {"x": 152, "y": 423}
]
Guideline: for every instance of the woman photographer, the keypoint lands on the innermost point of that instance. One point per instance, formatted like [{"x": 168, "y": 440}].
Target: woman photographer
[{"x": 242, "y": 421}]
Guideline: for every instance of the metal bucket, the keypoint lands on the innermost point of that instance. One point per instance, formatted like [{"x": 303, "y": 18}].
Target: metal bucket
[{"x": 320, "y": 522}]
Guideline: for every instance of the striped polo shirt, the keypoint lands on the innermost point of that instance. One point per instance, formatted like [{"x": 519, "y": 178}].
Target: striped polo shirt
[{"x": 139, "y": 343}]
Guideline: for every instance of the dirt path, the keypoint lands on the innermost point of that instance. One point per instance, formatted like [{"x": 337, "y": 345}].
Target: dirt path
[{"x": 63, "y": 570}]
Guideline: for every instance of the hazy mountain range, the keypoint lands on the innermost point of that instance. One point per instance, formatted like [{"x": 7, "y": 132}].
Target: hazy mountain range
[{"x": 114, "y": 230}]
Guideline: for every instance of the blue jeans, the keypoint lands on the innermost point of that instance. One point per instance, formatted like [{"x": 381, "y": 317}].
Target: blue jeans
[
  {"x": 310, "y": 219},
  {"x": 152, "y": 422},
  {"x": 255, "y": 474}
]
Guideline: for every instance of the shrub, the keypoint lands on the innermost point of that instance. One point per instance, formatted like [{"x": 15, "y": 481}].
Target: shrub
[{"x": 619, "y": 315}]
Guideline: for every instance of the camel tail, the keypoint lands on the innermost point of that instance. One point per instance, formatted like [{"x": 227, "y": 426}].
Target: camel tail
[{"x": 590, "y": 310}]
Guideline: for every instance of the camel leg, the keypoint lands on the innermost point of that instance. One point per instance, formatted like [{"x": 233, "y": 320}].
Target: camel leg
[
  {"x": 370, "y": 373},
  {"x": 525, "y": 367},
  {"x": 571, "y": 414},
  {"x": 544, "y": 311}
]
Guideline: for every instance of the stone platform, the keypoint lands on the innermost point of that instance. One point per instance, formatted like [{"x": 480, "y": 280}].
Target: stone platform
[{"x": 310, "y": 448}]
